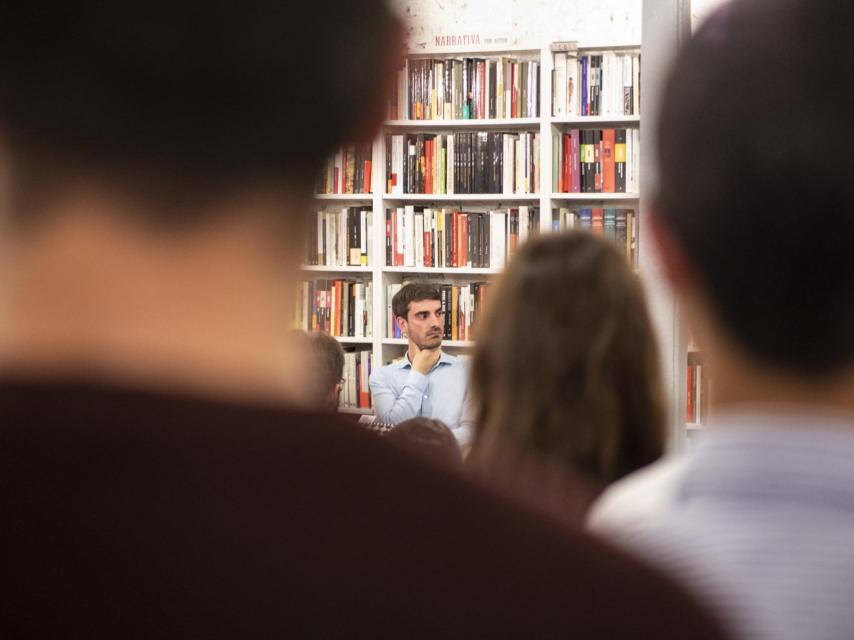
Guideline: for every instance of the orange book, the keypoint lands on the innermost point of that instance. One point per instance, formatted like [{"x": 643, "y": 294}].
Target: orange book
[
  {"x": 608, "y": 161},
  {"x": 364, "y": 388},
  {"x": 366, "y": 185}
]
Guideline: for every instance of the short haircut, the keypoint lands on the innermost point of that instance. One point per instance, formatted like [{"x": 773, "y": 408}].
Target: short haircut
[
  {"x": 754, "y": 183},
  {"x": 431, "y": 438},
  {"x": 328, "y": 361},
  {"x": 413, "y": 292},
  {"x": 192, "y": 99},
  {"x": 566, "y": 363}
]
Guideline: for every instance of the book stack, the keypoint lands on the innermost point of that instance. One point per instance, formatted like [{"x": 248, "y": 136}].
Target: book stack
[
  {"x": 445, "y": 238},
  {"x": 605, "y": 83},
  {"x": 463, "y": 305},
  {"x": 340, "y": 238},
  {"x": 341, "y": 308},
  {"x": 596, "y": 161},
  {"x": 697, "y": 396},
  {"x": 463, "y": 162},
  {"x": 618, "y": 225},
  {"x": 466, "y": 89},
  {"x": 356, "y": 392},
  {"x": 347, "y": 171}
]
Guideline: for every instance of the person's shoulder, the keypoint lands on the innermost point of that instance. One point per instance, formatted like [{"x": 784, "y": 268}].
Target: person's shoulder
[{"x": 639, "y": 500}]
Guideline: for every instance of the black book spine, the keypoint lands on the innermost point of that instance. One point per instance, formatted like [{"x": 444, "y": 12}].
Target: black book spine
[{"x": 446, "y": 305}]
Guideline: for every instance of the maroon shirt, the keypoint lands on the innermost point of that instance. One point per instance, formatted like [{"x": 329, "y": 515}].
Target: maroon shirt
[{"x": 130, "y": 514}]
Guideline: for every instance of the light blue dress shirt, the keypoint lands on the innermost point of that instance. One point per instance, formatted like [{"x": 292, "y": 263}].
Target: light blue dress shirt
[
  {"x": 761, "y": 523},
  {"x": 400, "y": 393}
]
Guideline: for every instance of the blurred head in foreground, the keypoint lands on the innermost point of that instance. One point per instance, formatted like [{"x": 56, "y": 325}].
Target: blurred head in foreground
[
  {"x": 754, "y": 226},
  {"x": 157, "y": 169},
  {"x": 565, "y": 369},
  {"x": 426, "y": 437}
]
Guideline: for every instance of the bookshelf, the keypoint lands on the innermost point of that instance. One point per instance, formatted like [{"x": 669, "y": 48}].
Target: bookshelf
[{"x": 545, "y": 125}]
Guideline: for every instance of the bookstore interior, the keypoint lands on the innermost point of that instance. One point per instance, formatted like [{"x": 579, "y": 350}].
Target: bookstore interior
[{"x": 488, "y": 140}]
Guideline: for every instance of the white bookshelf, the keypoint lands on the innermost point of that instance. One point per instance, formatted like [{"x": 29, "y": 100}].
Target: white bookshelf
[
  {"x": 473, "y": 123},
  {"x": 462, "y": 197},
  {"x": 385, "y": 349},
  {"x": 345, "y": 197}
]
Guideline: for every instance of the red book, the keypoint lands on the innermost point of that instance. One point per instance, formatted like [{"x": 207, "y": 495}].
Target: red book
[
  {"x": 366, "y": 185},
  {"x": 428, "y": 258},
  {"x": 464, "y": 236},
  {"x": 608, "y": 165},
  {"x": 454, "y": 234},
  {"x": 598, "y": 221},
  {"x": 567, "y": 164}
]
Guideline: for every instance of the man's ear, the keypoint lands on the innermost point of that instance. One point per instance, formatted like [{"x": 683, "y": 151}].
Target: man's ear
[
  {"x": 401, "y": 322},
  {"x": 671, "y": 254}
]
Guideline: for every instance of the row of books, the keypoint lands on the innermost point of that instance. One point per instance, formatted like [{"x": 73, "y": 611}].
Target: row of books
[
  {"x": 698, "y": 392},
  {"x": 347, "y": 171},
  {"x": 356, "y": 390},
  {"x": 340, "y": 238},
  {"x": 426, "y": 237},
  {"x": 464, "y": 162},
  {"x": 596, "y": 161},
  {"x": 341, "y": 308},
  {"x": 595, "y": 84},
  {"x": 463, "y": 306},
  {"x": 466, "y": 89},
  {"x": 618, "y": 225}
]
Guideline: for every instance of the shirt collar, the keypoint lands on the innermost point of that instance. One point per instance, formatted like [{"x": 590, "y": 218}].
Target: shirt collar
[{"x": 444, "y": 358}]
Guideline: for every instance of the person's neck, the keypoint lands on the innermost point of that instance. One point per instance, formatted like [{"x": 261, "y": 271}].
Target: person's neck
[
  {"x": 742, "y": 384},
  {"x": 201, "y": 311}
]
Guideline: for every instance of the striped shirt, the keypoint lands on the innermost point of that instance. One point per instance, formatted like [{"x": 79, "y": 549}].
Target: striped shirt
[{"x": 762, "y": 525}]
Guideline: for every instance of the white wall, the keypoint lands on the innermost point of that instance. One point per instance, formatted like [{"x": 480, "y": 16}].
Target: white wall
[{"x": 524, "y": 22}]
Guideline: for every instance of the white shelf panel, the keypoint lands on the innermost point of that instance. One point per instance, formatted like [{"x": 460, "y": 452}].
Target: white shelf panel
[
  {"x": 588, "y": 121},
  {"x": 346, "y": 197},
  {"x": 445, "y": 343},
  {"x": 470, "y": 50},
  {"x": 324, "y": 269},
  {"x": 348, "y": 340},
  {"x": 356, "y": 410},
  {"x": 460, "y": 197},
  {"x": 472, "y": 123},
  {"x": 593, "y": 197},
  {"x": 442, "y": 270},
  {"x": 694, "y": 426}
]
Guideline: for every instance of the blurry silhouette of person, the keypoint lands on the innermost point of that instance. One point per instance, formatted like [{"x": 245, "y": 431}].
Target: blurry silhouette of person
[
  {"x": 761, "y": 518},
  {"x": 565, "y": 368},
  {"x": 431, "y": 438},
  {"x": 158, "y": 477}
]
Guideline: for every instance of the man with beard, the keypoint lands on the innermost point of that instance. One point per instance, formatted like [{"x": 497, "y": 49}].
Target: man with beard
[{"x": 426, "y": 382}]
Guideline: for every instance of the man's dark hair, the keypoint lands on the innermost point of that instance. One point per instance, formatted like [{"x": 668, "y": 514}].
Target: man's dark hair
[
  {"x": 427, "y": 437},
  {"x": 755, "y": 185},
  {"x": 412, "y": 292},
  {"x": 328, "y": 361},
  {"x": 190, "y": 101}
]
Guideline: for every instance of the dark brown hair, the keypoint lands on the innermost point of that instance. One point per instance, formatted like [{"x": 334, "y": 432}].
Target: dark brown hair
[
  {"x": 431, "y": 438},
  {"x": 566, "y": 364},
  {"x": 328, "y": 358},
  {"x": 764, "y": 218},
  {"x": 412, "y": 292}
]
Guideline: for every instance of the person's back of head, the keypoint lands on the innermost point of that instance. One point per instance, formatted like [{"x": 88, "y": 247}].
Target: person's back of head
[
  {"x": 185, "y": 106},
  {"x": 754, "y": 217},
  {"x": 429, "y": 438},
  {"x": 326, "y": 366},
  {"x": 565, "y": 366}
]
